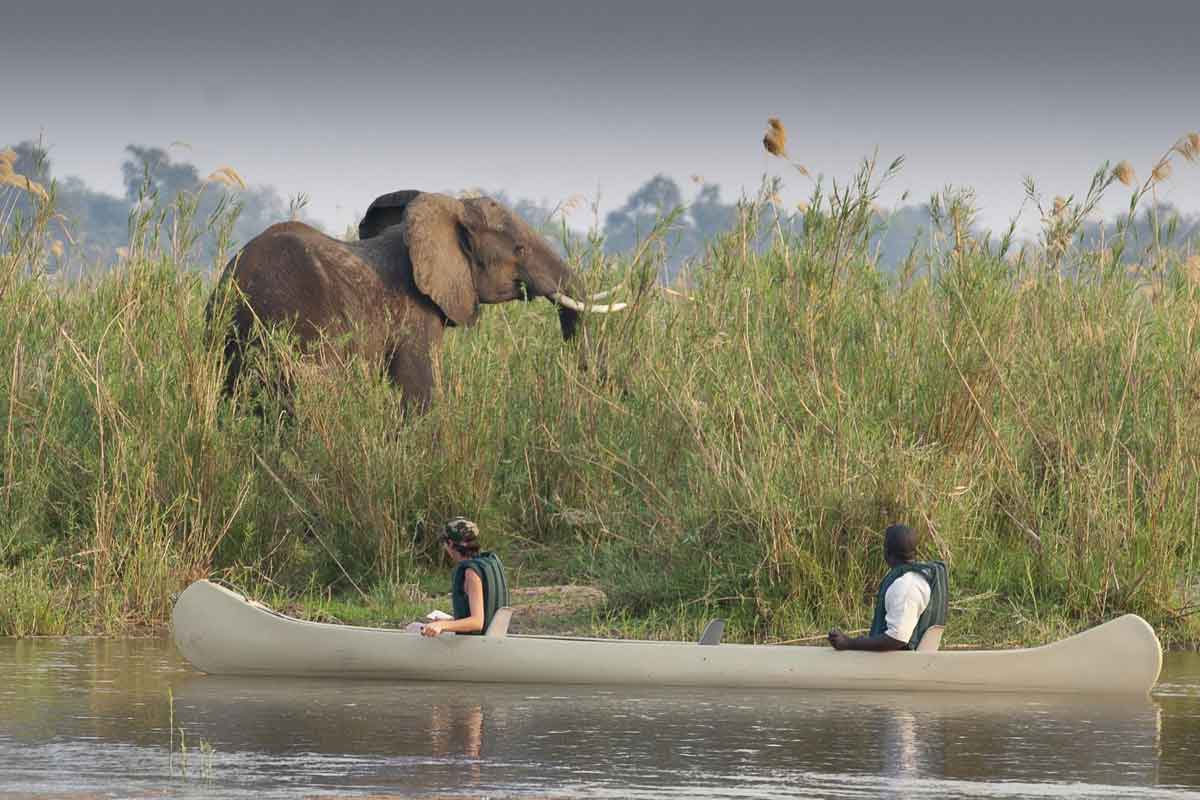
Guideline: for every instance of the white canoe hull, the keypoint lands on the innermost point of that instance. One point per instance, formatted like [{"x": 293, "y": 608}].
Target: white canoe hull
[{"x": 221, "y": 633}]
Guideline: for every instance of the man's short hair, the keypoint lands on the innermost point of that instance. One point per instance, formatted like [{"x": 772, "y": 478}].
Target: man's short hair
[{"x": 901, "y": 541}]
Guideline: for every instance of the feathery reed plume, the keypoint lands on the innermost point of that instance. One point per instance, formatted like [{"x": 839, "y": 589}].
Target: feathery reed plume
[
  {"x": 10, "y": 178},
  {"x": 8, "y": 156},
  {"x": 227, "y": 176},
  {"x": 1188, "y": 146},
  {"x": 56, "y": 249},
  {"x": 775, "y": 139},
  {"x": 1060, "y": 205},
  {"x": 775, "y": 143},
  {"x": 1125, "y": 174},
  {"x": 122, "y": 252},
  {"x": 5, "y": 169},
  {"x": 233, "y": 173},
  {"x": 1192, "y": 270},
  {"x": 802, "y": 207},
  {"x": 1161, "y": 171},
  {"x": 571, "y": 203},
  {"x": 698, "y": 179}
]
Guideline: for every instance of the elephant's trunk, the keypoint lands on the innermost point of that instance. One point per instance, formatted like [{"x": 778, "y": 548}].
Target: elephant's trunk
[
  {"x": 568, "y": 320},
  {"x": 558, "y": 283}
]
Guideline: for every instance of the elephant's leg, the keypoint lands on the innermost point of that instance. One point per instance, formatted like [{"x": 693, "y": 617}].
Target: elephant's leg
[
  {"x": 411, "y": 369},
  {"x": 232, "y": 360}
]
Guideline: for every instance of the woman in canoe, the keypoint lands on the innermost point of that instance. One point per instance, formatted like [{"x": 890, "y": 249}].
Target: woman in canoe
[{"x": 477, "y": 585}]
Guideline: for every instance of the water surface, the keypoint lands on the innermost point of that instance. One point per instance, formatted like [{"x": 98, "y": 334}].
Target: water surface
[{"x": 121, "y": 718}]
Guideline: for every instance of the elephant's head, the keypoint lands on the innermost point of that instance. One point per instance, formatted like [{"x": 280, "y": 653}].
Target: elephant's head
[{"x": 467, "y": 252}]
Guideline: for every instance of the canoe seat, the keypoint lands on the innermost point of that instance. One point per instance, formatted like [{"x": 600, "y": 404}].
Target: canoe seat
[
  {"x": 713, "y": 632},
  {"x": 932, "y": 639},
  {"x": 500, "y": 620}
]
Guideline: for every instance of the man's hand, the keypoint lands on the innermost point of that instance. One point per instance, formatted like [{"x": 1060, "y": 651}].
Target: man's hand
[
  {"x": 881, "y": 643},
  {"x": 433, "y": 628}
]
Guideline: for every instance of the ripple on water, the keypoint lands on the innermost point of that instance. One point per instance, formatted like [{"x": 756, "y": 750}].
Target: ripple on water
[{"x": 76, "y": 718}]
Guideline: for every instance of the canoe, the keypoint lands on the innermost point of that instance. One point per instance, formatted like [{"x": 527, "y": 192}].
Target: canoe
[{"x": 222, "y": 633}]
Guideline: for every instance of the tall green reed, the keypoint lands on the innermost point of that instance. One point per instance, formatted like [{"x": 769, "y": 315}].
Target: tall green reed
[{"x": 734, "y": 449}]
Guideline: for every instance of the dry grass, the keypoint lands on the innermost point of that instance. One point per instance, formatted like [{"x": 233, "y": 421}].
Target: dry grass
[
  {"x": 775, "y": 143},
  {"x": 775, "y": 140},
  {"x": 1188, "y": 146},
  {"x": 1125, "y": 174},
  {"x": 10, "y": 178},
  {"x": 735, "y": 456},
  {"x": 1161, "y": 171},
  {"x": 227, "y": 176}
]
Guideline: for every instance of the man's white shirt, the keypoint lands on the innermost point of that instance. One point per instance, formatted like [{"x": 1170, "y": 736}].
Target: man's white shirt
[{"x": 905, "y": 601}]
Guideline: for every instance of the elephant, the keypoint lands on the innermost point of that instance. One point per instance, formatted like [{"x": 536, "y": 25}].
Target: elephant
[{"x": 423, "y": 262}]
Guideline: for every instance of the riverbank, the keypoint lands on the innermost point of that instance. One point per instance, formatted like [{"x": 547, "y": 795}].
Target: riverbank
[
  {"x": 975, "y": 622},
  {"x": 733, "y": 453}
]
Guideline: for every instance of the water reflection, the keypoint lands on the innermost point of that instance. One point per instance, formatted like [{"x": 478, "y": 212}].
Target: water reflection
[{"x": 104, "y": 706}]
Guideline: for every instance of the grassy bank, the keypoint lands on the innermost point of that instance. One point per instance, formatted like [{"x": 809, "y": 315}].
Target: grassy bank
[{"x": 1036, "y": 415}]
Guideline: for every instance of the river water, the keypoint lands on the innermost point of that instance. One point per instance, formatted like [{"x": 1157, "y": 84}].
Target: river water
[{"x": 91, "y": 718}]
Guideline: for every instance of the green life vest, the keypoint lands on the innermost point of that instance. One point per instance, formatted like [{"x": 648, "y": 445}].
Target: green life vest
[
  {"x": 934, "y": 614},
  {"x": 495, "y": 588}
]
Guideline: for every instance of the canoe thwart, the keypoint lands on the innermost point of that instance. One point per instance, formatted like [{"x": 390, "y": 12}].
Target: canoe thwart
[
  {"x": 499, "y": 627},
  {"x": 932, "y": 639},
  {"x": 713, "y": 632}
]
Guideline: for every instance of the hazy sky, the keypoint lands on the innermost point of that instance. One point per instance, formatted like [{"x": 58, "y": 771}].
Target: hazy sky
[{"x": 345, "y": 100}]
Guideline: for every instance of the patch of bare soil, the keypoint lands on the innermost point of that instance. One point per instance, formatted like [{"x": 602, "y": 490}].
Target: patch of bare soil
[{"x": 561, "y": 610}]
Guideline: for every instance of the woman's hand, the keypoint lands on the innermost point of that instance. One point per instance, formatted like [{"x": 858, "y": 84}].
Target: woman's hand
[{"x": 433, "y": 628}]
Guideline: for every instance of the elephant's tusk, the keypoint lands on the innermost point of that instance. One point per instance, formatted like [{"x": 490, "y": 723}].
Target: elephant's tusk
[
  {"x": 607, "y": 292},
  {"x": 575, "y": 305}
]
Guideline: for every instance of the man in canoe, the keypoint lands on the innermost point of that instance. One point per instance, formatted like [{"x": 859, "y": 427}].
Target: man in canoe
[
  {"x": 911, "y": 599},
  {"x": 477, "y": 586}
]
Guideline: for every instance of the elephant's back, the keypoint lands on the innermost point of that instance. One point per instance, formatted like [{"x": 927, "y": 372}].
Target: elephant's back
[{"x": 293, "y": 272}]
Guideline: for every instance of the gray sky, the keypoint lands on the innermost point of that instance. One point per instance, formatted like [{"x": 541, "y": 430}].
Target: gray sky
[{"x": 345, "y": 101}]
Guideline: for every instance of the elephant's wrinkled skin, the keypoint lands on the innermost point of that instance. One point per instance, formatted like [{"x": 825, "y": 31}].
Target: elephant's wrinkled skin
[{"x": 424, "y": 261}]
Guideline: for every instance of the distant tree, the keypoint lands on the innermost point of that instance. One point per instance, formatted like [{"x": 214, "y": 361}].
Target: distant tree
[
  {"x": 152, "y": 168},
  {"x": 93, "y": 225},
  {"x": 33, "y": 161},
  {"x": 1175, "y": 229},
  {"x": 896, "y": 233},
  {"x": 625, "y": 226},
  {"x": 710, "y": 216}
]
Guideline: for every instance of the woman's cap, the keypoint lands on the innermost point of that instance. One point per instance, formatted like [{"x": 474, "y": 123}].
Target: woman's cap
[{"x": 460, "y": 530}]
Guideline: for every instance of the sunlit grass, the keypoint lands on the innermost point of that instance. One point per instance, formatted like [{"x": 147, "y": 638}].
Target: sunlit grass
[{"x": 1036, "y": 415}]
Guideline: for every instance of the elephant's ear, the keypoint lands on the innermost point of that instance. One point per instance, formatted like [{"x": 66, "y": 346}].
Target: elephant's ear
[
  {"x": 434, "y": 233},
  {"x": 386, "y": 210}
]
